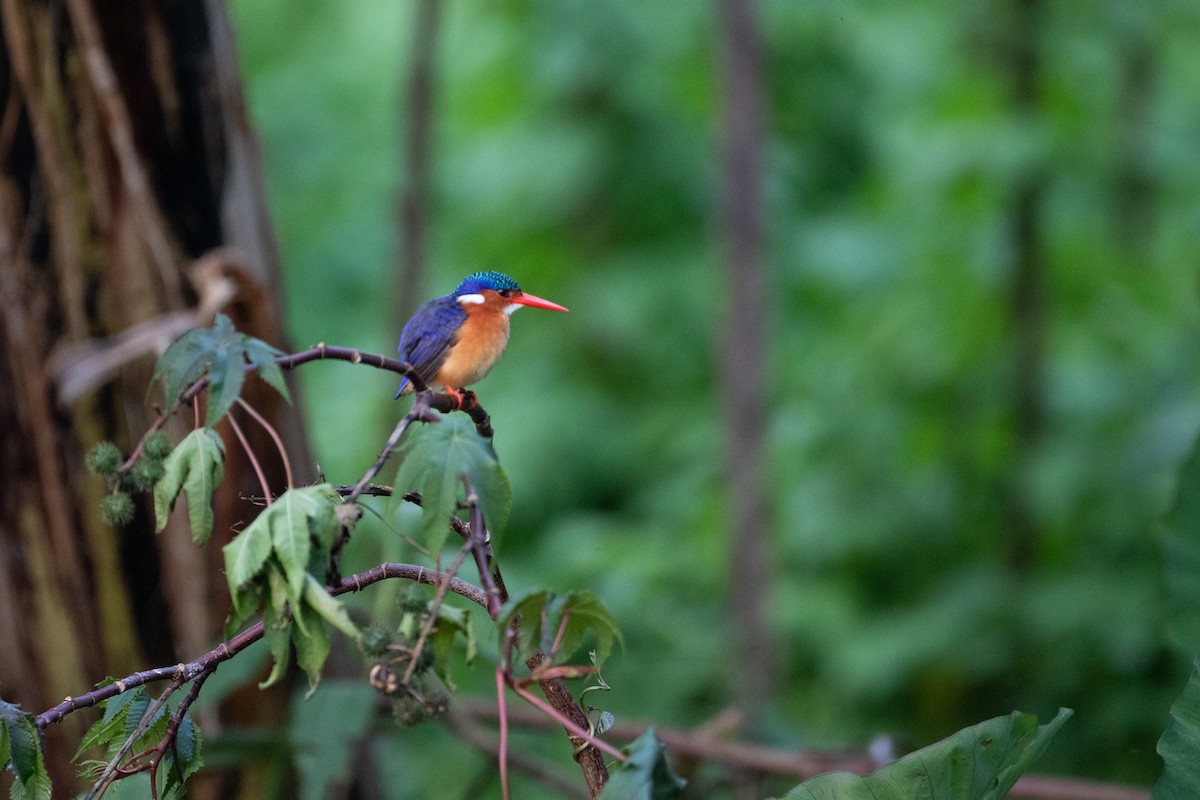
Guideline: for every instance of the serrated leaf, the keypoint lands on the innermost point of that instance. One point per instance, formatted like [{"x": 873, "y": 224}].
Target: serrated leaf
[
  {"x": 222, "y": 352},
  {"x": 23, "y": 744},
  {"x": 196, "y": 467},
  {"x": 184, "y": 361},
  {"x": 263, "y": 356},
  {"x": 1180, "y": 746},
  {"x": 432, "y": 457},
  {"x": 542, "y": 613},
  {"x": 246, "y": 555},
  {"x": 978, "y": 763},
  {"x": 312, "y": 644},
  {"x": 246, "y": 601},
  {"x": 226, "y": 375},
  {"x": 329, "y": 607},
  {"x": 291, "y": 534},
  {"x": 188, "y": 748},
  {"x": 277, "y": 631},
  {"x": 645, "y": 774}
]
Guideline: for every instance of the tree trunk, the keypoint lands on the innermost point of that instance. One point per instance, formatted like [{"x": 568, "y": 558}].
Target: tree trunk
[{"x": 131, "y": 208}]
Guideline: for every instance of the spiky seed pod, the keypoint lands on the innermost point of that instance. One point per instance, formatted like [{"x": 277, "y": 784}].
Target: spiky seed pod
[
  {"x": 103, "y": 459},
  {"x": 145, "y": 473},
  {"x": 157, "y": 446},
  {"x": 117, "y": 509},
  {"x": 375, "y": 641}
]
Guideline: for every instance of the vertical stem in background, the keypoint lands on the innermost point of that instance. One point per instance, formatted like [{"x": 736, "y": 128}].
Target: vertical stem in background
[
  {"x": 743, "y": 349},
  {"x": 417, "y": 120},
  {"x": 1028, "y": 290}
]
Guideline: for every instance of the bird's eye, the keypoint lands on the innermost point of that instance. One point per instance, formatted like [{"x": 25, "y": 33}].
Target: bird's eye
[{"x": 506, "y": 292}]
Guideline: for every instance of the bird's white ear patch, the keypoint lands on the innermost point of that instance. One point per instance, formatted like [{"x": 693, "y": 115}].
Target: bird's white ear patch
[
  {"x": 472, "y": 299},
  {"x": 510, "y": 308}
]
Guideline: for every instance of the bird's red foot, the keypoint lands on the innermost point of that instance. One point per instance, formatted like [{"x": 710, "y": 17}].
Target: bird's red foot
[{"x": 462, "y": 398}]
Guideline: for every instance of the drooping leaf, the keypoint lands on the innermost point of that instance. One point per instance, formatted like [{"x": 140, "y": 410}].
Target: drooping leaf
[
  {"x": 329, "y": 608},
  {"x": 324, "y": 730},
  {"x": 196, "y": 466},
  {"x": 312, "y": 643},
  {"x": 22, "y": 745},
  {"x": 1180, "y": 746},
  {"x": 645, "y": 775},
  {"x": 432, "y": 459},
  {"x": 277, "y": 632},
  {"x": 246, "y": 554},
  {"x": 977, "y": 763},
  {"x": 1181, "y": 551},
  {"x": 263, "y": 356},
  {"x": 542, "y": 623}
]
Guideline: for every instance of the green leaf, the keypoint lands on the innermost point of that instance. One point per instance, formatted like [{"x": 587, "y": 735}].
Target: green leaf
[
  {"x": 246, "y": 554},
  {"x": 196, "y": 466},
  {"x": 432, "y": 459},
  {"x": 542, "y": 614},
  {"x": 277, "y": 633},
  {"x": 1181, "y": 551},
  {"x": 1180, "y": 746},
  {"x": 451, "y": 623},
  {"x": 978, "y": 763},
  {"x": 645, "y": 775},
  {"x": 23, "y": 747},
  {"x": 325, "y": 730},
  {"x": 188, "y": 747},
  {"x": 330, "y": 608},
  {"x": 222, "y": 352},
  {"x": 184, "y": 361},
  {"x": 312, "y": 643},
  {"x": 263, "y": 356}
]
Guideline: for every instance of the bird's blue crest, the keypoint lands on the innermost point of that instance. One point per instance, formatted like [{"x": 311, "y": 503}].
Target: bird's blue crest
[{"x": 478, "y": 281}]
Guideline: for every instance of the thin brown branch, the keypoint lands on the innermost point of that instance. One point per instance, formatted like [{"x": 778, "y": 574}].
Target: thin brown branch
[
  {"x": 227, "y": 650},
  {"x": 274, "y": 434},
  {"x": 800, "y": 764},
  {"x": 258, "y": 470},
  {"x": 432, "y": 617},
  {"x": 110, "y": 771}
]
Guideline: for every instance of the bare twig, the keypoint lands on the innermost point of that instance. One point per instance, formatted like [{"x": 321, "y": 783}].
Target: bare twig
[
  {"x": 432, "y": 616},
  {"x": 274, "y": 434},
  {"x": 258, "y": 470}
]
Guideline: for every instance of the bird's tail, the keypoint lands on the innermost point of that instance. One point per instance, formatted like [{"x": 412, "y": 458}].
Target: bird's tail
[{"x": 405, "y": 388}]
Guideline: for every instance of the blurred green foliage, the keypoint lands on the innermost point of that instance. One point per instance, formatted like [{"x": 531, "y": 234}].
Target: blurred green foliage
[{"x": 577, "y": 148}]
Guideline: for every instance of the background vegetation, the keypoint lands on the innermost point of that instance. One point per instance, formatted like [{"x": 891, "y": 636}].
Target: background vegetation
[{"x": 982, "y": 321}]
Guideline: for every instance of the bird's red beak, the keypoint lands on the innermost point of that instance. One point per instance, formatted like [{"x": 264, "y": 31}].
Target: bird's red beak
[{"x": 533, "y": 301}]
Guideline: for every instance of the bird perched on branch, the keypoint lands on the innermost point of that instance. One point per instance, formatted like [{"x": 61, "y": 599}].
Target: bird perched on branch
[{"x": 455, "y": 340}]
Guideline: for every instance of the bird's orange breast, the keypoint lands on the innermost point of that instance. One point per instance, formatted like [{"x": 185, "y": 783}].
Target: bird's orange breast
[{"x": 481, "y": 341}]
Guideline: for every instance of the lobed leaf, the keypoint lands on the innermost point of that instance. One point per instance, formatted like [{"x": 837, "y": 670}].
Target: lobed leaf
[
  {"x": 196, "y": 467},
  {"x": 541, "y": 623},
  {"x": 432, "y": 459},
  {"x": 645, "y": 775},
  {"x": 312, "y": 643},
  {"x": 451, "y": 623},
  {"x": 262, "y": 356},
  {"x": 329, "y": 608},
  {"x": 977, "y": 763}
]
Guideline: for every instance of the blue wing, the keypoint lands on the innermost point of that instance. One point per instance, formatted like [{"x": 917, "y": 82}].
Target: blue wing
[{"x": 428, "y": 337}]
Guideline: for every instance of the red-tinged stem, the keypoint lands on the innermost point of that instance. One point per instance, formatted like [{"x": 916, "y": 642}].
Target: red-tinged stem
[
  {"x": 241, "y": 437},
  {"x": 562, "y": 629},
  {"x": 502, "y": 709},
  {"x": 571, "y": 727},
  {"x": 274, "y": 434}
]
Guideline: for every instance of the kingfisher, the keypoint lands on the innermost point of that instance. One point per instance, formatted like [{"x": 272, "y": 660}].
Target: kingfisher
[{"x": 455, "y": 340}]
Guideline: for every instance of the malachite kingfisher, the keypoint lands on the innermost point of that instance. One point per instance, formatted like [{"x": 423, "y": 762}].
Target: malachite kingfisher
[{"x": 455, "y": 340}]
